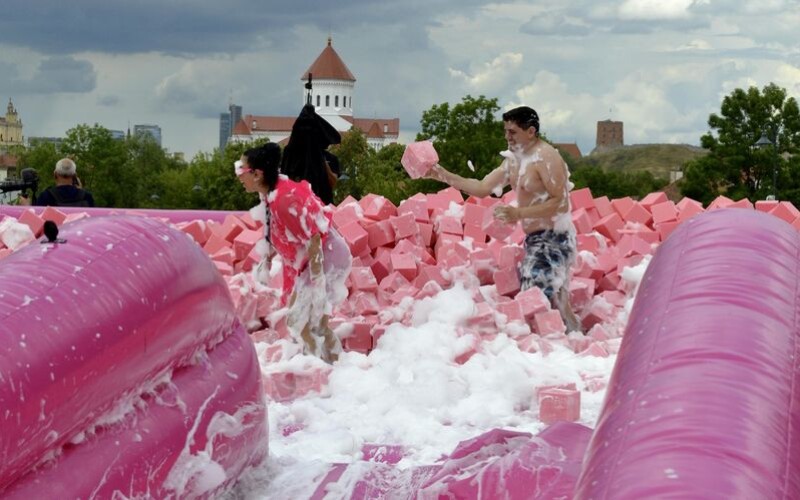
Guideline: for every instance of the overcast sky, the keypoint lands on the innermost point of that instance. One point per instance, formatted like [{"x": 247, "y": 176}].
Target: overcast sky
[{"x": 660, "y": 66}]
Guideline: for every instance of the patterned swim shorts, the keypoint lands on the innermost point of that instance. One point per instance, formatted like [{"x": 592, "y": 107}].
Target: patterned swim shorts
[{"x": 548, "y": 256}]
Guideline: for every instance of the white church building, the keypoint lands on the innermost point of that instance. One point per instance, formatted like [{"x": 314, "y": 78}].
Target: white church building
[{"x": 332, "y": 95}]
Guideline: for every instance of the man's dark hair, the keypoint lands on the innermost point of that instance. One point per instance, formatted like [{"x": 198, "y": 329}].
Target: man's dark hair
[
  {"x": 266, "y": 158},
  {"x": 524, "y": 116}
]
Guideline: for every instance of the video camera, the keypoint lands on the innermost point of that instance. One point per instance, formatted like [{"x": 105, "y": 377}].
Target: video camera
[{"x": 29, "y": 180}]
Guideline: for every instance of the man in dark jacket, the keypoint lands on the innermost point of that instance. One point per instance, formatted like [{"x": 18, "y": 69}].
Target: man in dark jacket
[{"x": 67, "y": 191}]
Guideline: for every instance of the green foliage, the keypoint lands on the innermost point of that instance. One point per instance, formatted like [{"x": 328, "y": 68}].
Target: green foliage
[
  {"x": 616, "y": 184},
  {"x": 469, "y": 130},
  {"x": 734, "y": 166},
  {"x": 354, "y": 154}
]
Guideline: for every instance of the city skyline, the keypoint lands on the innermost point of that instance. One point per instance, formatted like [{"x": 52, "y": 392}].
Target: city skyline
[{"x": 659, "y": 67}]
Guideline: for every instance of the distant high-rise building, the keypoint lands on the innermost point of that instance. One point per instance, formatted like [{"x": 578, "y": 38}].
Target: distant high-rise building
[
  {"x": 224, "y": 129},
  {"x": 153, "y": 131},
  {"x": 118, "y": 134},
  {"x": 226, "y": 123}
]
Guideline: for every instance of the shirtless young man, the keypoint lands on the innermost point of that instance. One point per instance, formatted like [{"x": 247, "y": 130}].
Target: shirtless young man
[{"x": 540, "y": 178}]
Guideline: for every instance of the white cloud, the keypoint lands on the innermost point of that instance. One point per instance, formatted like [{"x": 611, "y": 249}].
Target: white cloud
[
  {"x": 492, "y": 74},
  {"x": 655, "y": 9}
]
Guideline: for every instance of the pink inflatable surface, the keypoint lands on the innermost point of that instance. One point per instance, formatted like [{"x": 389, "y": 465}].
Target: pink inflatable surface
[
  {"x": 173, "y": 216},
  {"x": 126, "y": 306},
  {"x": 704, "y": 401}
]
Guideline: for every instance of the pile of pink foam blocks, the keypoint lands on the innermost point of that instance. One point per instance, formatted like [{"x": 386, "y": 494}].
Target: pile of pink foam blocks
[{"x": 431, "y": 242}]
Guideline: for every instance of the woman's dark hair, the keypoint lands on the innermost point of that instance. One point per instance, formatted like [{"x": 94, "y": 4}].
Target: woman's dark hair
[
  {"x": 303, "y": 157},
  {"x": 266, "y": 158}
]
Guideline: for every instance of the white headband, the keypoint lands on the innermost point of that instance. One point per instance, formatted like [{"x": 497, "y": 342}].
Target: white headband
[{"x": 237, "y": 167}]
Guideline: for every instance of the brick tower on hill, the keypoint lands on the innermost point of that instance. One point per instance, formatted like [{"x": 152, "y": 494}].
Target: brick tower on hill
[{"x": 609, "y": 135}]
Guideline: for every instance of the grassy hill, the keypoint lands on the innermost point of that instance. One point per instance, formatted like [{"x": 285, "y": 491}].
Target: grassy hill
[{"x": 658, "y": 159}]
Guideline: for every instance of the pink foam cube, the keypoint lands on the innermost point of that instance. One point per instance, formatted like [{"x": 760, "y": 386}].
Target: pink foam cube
[
  {"x": 215, "y": 243},
  {"x": 363, "y": 279},
  {"x": 425, "y": 233},
  {"x": 244, "y": 243},
  {"x": 507, "y": 281},
  {"x": 474, "y": 215},
  {"x": 610, "y": 226},
  {"x": 582, "y": 221},
  {"x": 419, "y": 158},
  {"x": 720, "y": 202},
  {"x": 664, "y": 212},
  {"x": 346, "y": 214},
  {"x": 53, "y": 214},
  {"x": 567, "y": 386},
  {"x": 512, "y": 311},
  {"x": 581, "y": 291},
  {"x": 766, "y": 205},
  {"x": 360, "y": 338},
  {"x": 418, "y": 207},
  {"x": 195, "y": 229},
  {"x": 785, "y": 211},
  {"x": 581, "y": 198},
  {"x": 448, "y": 224},
  {"x": 377, "y": 207},
  {"x": 33, "y": 221},
  {"x": 404, "y": 225},
  {"x": 622, "y": 205},
  {"x": 549, "y": 322},
  {"x": 744, "y": 203},
  {"x": 405, "y": 264},
  {"x": 474, "y": 233},
  {"x": 496, "y": 229},
  {"x": 532, "y": 301},
  {"x": 637, "y": 213},
  {"x": 451, "y": 194},
  {"x": 510, "y": 256},
  {"x": 653, "y": 199},
  {"x": 380, "y": 234},
  {"x": 356, "y": 237},
  {"x": 603, "y": 206},
  {"x": 665, "y": 229},
  {"x": 588, "y": 242},
  {"x": 429, "y": 273},
  {"x": 556, "y": 405}
]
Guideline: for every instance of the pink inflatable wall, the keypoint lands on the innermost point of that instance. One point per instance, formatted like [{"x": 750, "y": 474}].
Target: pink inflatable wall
[
  {"x": 88, "y": 325},
  {"x": 704, "y": 401},
  {"x": 173, "y": 216}
]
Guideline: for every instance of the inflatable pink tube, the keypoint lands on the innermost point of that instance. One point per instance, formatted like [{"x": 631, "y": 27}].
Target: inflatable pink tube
[
  {"x": 91, "y": 322},
  {"x": 173, "y": 216},
  {"x": 214, "y": 408},
  {"x": 704, "y": 401}
]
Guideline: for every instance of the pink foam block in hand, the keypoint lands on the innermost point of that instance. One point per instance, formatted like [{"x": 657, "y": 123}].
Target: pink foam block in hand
[{"x": 419, "y": 158}]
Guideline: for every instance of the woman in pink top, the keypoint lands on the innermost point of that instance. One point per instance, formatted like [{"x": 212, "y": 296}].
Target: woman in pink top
[{"x": 316, "y": 260}]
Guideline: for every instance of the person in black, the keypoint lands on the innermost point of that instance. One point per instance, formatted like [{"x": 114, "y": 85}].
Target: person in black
[
  {"x": 306, "y": 157},
  {"x": 67, "y": 191}
]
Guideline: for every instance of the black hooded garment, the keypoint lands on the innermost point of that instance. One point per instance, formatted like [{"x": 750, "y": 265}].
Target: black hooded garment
[{"x": 304, "y": 156}]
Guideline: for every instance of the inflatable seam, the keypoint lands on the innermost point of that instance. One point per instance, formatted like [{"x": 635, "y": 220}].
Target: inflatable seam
[
  {"x": 667, "y": 296},
  {"x": 792, "y": 385}
]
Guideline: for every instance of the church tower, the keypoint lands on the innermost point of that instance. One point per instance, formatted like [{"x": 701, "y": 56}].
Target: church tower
[
  {"x": 10, "y": 127},
  {"x": 332, "y": 84}
]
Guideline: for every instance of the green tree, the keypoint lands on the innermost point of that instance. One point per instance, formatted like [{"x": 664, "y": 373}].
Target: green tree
[
  {"x": 468, "y": 131},
  {"x": 734, "y": 167},
  {"x": 41, "y": 156},
  {"x": 616, "y": 184},
  {"x": 354, "y": 155},
  {"x": 100, "y": 159}
]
